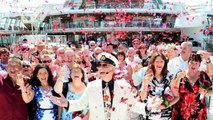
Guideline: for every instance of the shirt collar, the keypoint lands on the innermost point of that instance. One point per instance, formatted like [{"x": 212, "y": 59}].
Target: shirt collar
[{"x": 110, "y": 83}]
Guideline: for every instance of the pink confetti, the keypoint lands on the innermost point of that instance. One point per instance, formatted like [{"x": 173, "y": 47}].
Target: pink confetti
[
  {"x": 211, "y": 27},
  {"x": 203, "y": 22},
  {"x": 207, "y": 32},
  {"x": 92, "y": 18},
  {"x": 63, "y": 27},
  {"x": 123, "y": 100}
]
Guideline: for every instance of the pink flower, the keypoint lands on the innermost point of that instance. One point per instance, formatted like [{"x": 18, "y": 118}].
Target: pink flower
[{"x": 167, "y": 97}]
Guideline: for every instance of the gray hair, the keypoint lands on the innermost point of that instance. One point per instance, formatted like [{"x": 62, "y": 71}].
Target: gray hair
[
  {"x": 189, "y": 44},
  {"x": 97, "y": 48}
]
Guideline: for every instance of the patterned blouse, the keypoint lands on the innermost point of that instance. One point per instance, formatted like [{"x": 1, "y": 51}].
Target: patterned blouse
[{"x": 157, "y": 89}]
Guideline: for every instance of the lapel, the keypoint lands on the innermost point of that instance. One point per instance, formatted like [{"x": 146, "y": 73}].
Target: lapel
[
  {"x": 97, "y": 100},
  {"x": 116, "y": 94},
  {"x": 116, "y": 101},
  {"x": 100, "y": 95}
]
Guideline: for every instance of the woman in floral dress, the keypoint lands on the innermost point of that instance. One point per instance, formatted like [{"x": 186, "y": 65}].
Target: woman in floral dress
[
  {"x": 191, "y": 86},
  {"x": 42, "y": 90}
]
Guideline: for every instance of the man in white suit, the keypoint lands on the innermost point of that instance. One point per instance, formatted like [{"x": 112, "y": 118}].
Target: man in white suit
[{"x": 122, "y": 99}]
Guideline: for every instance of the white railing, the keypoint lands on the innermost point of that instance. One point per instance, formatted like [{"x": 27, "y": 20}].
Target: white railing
[{"x": 112, "y": 24}]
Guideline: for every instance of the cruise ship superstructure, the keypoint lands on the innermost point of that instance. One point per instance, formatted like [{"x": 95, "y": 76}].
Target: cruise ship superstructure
[{"x": 112, "y": 19}]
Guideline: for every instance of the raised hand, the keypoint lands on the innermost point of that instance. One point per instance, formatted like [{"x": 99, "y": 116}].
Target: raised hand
[
  {"x": 20, "y": 80},
  {"x": 62, "y": 72},
  {"x": 60, "y": 101},
  {"x": 148, "y": 78},
  {"x": 181, "y": 74},
  {"x": 29, "y": 88},
  {"x": 176, "y": 81},
  {"x": 206, "y": 55},
  {"x": 137, "y": 68}
]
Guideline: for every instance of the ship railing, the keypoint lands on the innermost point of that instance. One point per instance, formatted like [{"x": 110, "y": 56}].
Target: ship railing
[{"x": 105, "y": 24}]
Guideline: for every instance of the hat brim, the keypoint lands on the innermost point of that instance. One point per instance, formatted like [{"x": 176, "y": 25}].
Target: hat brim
[{"x": 107, "y": 61}]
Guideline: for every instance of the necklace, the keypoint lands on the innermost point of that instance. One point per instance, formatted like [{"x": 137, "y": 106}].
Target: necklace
[{"x": 46, "y": 90}]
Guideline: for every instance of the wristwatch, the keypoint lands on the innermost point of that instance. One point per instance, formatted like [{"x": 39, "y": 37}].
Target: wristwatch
[{"x": 208, "y": 61}]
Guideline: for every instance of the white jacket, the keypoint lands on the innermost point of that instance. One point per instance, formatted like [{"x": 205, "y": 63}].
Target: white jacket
[{"x": 93, "y": 99}]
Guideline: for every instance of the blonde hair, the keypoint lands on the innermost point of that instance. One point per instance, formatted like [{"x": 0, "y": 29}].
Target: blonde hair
[{"x": 171, "y": 46}]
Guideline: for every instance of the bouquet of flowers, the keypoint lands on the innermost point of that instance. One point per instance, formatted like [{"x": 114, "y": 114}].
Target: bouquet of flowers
[
  {"x": 205, "y": 84},
  {"x": 167, "y": 97},
  {"x": 151, "y": 103},
  {"x": 78, "y": 115}
]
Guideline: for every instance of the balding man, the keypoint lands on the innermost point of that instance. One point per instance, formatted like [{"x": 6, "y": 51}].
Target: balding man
[{"x": 180, "y": 63}]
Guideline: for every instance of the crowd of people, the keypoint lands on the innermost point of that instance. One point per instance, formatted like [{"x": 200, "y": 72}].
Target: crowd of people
[{"x": 103, "y": 82}]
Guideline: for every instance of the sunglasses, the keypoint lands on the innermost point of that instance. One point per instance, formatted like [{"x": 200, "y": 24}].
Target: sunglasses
[
  {"x": 102, "y": 64},
  {"x": 46, "y": 61},
  {"x": 25, "y": 49},
  {"x": 78, "y": 62},
  {"x": 97, "y": 53},
  {"x": 142, "y": 48},
  {"x": 25, "y": 66}
]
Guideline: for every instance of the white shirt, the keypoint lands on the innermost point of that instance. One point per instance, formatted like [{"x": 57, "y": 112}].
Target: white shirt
[
  {"x": 133, "y": 63},
  {"x": 176, "y": 65}
]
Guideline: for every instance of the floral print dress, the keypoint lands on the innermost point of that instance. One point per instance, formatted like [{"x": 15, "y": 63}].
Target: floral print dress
[
  {"x": 190, "y": 105},
  {"x": 46, "y": 110}
]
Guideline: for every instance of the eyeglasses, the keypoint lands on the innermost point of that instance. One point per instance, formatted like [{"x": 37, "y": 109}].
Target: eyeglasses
[
  {"x": 46, "y": 61},
  {"x": 61, "y": 53},
  {"x": 102, "y": 64},
  {"x": 92, "y": 45},
  {"x": 25, "y": 66}
]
